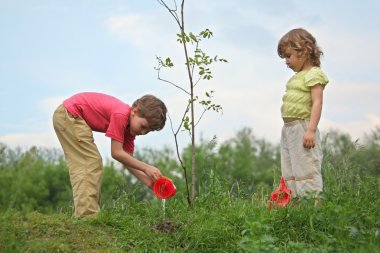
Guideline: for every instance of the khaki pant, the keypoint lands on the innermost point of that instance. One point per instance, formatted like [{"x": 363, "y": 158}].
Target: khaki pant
[
  {"x": 301, "y": 167},
  {"x": 83, "y": 160}
]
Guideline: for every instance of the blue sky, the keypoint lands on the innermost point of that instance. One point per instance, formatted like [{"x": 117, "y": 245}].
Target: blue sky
[{"x": 52, "y": 49}]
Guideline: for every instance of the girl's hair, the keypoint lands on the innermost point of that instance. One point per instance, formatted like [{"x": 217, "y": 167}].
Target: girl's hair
[
  {"x": 299, "y": 39},
  {"x": 153, "y": 110}
]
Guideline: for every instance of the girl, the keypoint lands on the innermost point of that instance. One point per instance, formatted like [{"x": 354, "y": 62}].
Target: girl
[{"x": 301, "y": 151}]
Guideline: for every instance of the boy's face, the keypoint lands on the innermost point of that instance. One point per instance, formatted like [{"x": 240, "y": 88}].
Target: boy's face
[{"x": 137, "y": 125}]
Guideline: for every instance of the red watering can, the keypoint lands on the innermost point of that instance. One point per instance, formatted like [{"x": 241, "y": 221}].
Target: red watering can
[
  {"x": 281, "y": 196},
  {"x": 164, "y": 188}
]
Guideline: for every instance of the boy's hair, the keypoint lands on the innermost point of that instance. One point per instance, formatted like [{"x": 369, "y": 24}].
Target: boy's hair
[
  {"x": 299, "y": 39},
  {"x": 153, "y": 110}
]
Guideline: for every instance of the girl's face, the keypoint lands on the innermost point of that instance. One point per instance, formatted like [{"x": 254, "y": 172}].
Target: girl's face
[
  {"x": 137, "y": 125},
  {"x": 296, "y": 60}
]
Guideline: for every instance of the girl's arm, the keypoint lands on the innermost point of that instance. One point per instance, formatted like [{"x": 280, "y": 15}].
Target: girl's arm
[
  {"x": 148, "y": 174},
  {"x": 316, "y": 110}
]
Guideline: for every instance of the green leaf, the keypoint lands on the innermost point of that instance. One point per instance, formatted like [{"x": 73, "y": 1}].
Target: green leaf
[{"x": 193, "y": 37}]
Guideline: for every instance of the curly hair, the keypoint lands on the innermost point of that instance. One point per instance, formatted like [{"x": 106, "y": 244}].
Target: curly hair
[
  {"x": 299, "y": 39},
  {"x": 153, "y": 110}
]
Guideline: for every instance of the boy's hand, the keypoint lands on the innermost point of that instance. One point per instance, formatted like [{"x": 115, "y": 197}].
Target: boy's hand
[
  {"x": 146, "y": 173},
  {"x": 153, "y": 173},
  {"x": 309, "y": 139}
]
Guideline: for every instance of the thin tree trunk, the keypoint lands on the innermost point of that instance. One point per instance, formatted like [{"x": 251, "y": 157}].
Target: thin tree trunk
[{"x": 193, "y": 165}]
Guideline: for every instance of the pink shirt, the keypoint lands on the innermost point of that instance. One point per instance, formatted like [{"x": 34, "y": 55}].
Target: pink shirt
[{"x": 105, "y": 114}]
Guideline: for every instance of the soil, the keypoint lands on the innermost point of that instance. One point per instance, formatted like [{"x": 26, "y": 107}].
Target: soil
[{"x": 165, "y": 226}]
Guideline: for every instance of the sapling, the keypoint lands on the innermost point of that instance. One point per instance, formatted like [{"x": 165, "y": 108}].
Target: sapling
[{"x": 198, "y": 68}]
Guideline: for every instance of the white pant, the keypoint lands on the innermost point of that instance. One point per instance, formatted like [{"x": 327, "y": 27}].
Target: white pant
[{"x": 301, "y": 167}]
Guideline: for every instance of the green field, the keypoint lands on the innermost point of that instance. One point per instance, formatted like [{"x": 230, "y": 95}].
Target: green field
[{"x": 230, "y": 212}]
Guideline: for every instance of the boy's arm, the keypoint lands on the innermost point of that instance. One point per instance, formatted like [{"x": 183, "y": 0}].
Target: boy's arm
[
  {"x": 146, "y": 173},
  {"x": 316, "y": 111}
]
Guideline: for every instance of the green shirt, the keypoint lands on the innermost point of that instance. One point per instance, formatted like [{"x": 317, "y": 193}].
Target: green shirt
[{"x": 297, "y": 98}]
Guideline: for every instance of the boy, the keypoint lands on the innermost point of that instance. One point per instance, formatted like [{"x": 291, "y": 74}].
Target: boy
[{"x": 79, "y": 115}]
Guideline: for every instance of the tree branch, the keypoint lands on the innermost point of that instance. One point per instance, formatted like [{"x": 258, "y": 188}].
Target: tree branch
[
  {"x": 166, "y": 81},
  {"x": 173, "y": 12}
]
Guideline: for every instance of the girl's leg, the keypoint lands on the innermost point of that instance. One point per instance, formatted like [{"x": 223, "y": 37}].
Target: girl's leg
[
  {"x": 306, "y": 163},
  {"x": 286, "y": 164}
]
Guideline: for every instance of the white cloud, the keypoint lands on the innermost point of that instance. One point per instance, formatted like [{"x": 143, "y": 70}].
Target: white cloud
[
  {"x": 49, "y": 140},
  {"x": 49, "y": 105},
  {"x": 355, "y": 128},
  {"x": 135, "y": 28},
  {"x": 247, "y": 108},
  {"x": 348, "y": 50},
  {"x": 348, "y": 99},
  {"x": 43, "y": 139}
]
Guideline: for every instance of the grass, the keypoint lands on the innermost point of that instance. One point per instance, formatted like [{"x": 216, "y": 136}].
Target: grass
[
  {"x": 348, "y": 220},
  {"x": 218, "y": 223},
  {"x": 133, "y": 229}
]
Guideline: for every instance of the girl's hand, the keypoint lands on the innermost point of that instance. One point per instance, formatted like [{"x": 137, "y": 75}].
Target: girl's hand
[{"x": 309, "y": 139}]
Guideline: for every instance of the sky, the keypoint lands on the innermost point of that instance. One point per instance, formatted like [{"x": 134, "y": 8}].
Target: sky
[{"x": 50, "y": 50}]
